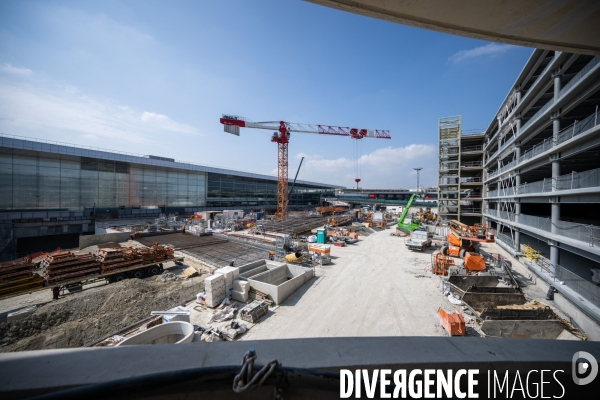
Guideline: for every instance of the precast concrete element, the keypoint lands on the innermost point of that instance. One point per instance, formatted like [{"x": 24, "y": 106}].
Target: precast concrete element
[
  {"x": 169, "y": 333},
  {"x": 276, "y": 279},
  {"x": 479, "y": 301},
  {"x": 522, "y": 329},
  {"x": 463, "y": 282}
]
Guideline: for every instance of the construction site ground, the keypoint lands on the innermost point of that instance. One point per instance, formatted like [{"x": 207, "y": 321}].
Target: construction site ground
[{"x": 376, "y": 287}]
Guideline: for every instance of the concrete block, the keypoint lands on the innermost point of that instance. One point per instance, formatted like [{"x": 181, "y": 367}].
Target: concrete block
[
  {"x": 241, "y": 286},
  {"x": 214, "y": 281},
  {"x": 239, "y": 296},
  {"x": 228, "y": 273},
  {"x": 214, "y": 301}
]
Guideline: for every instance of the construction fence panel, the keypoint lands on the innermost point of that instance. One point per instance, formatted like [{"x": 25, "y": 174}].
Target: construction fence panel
[
  {"x": 579, "y": 180},
  {"x": 536, "y": 222}
]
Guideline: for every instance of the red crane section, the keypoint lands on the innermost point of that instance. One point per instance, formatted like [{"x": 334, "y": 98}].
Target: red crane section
[{"x": 232, "y": 124}]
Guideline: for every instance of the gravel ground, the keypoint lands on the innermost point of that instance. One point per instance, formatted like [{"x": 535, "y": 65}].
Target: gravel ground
[{"x": 373, "y": 288}]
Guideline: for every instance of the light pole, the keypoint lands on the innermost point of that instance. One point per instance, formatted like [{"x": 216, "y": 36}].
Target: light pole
[{"x": 418, "y": 171}]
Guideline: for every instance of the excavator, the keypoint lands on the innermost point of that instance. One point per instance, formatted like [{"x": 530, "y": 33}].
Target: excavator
[{"x": 414, "y": 223}]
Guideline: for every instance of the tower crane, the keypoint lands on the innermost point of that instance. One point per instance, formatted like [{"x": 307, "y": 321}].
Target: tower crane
[{"x": 281, "y": 136}]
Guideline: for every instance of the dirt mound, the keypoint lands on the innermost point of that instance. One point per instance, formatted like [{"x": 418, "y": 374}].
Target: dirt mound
[{"x": 81, "y": 318}]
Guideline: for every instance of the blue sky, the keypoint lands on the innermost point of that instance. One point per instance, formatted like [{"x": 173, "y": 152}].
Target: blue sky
[{"x": 154, "y": 77}]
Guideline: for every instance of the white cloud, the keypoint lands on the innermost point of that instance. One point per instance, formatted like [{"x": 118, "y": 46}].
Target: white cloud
[
  {"x": 165, "y": 123},
  {"x": 486, "y": 50},
  {"x": 15, "y": 70},
  {"x": 384, "y": 168},
  {"x": 64, "y": 113}
]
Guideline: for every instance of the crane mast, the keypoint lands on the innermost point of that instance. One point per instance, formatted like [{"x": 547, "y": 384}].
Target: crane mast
[{"x": 232, "y": 124}]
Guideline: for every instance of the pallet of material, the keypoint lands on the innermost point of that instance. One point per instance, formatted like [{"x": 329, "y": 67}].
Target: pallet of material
[{"x": 260, "y": 296}]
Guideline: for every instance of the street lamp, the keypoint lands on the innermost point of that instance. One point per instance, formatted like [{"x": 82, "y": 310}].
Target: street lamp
[{"x": 418, "y": 171}]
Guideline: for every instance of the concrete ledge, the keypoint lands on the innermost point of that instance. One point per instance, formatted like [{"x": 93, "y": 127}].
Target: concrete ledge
[
  {"x": 583, "y": 312},
  {"x": 92, "y": 240},
  {"x": 96, "y": 365}
]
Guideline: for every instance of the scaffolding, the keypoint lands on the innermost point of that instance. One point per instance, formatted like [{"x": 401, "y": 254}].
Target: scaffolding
[{"x": 449, "y": 131}]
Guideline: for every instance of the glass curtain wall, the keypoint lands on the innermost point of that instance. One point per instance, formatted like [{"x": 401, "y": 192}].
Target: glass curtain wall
[
  {"x": 230, "y": 190},
  {"x": 33, "y": 182}
]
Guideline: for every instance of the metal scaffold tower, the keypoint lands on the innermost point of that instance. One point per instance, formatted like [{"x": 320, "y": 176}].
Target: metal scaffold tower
[{"x": 449, "y": 131}]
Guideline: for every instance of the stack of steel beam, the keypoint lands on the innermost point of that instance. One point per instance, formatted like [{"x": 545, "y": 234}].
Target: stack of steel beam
[
  {"x": 18, "y": 275},
  {"x": 64, "y": 266},
  {"x": 115, "y": 259}
]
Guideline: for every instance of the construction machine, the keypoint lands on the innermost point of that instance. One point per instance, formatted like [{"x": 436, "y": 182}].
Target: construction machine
[
  {"x": 475, "y": 233},
  {"x": 414, "y": 224},
  {"x": 440, "y": 263}
]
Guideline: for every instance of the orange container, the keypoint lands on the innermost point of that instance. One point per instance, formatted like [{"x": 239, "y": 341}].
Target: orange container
[
  {"x": 474, "y": 262},
  {"x": 454, "y": 323}
]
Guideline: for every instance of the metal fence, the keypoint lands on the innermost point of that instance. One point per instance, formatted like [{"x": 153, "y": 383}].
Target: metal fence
[
  {"x": 584, "y": 287},
  {"x": 578, "y": 127},
  {"x": 579, "y": 180},
  {"x": 540, "y": 148},
  {"x": 535, "y": 187},
  {"x": 542, "y": 223},
  {"x": 574, "y": 180},
  {"x": 470, "y": 210}
]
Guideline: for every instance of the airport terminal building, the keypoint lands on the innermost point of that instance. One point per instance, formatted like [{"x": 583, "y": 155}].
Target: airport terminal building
[{"x": 56, "y": 189}]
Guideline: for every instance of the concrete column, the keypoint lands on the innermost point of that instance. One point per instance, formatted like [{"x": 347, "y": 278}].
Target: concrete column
[
  {"x": 519, "y": 94},
  {"x": 517, "y": 211},
  {"x": 554, "y": 256},
  {"x": 557, "y": 82},
  {"x": 518, "y": 122},
  {"x": 517, "y": 241},
  {"x": 518, "y": 152}
]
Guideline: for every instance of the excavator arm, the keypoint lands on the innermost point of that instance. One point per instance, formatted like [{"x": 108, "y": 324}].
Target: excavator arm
[{"x": 412, "y": 197}]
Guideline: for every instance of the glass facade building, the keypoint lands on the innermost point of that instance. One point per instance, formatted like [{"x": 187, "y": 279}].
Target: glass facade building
[{"x": 37, "y": 175}]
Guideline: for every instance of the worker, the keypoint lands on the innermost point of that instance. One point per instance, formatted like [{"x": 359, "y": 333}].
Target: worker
[
  {"x": 132, "y": 236},
  {"x": 55, "y": 292},
  {"x": 231, "y": 263},
  {"x": 271, "y": 255},
  {"x": 183, "y": 229}
]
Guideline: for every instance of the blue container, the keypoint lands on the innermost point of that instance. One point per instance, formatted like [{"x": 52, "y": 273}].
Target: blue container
[{"x": 321, "y": 236}]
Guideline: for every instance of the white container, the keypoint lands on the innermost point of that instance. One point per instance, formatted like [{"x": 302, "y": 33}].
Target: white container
[{"x": 168, "y": 333}]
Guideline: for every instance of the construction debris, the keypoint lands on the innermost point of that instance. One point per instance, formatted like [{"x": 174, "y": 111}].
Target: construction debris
[{"x": 189, "y": 273}]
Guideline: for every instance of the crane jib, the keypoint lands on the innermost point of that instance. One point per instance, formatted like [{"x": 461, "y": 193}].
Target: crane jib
[{"x": 354, "y": 133}]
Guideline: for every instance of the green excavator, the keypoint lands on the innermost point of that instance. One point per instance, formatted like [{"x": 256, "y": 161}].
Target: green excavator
[{"x": 415, "y": 223}]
